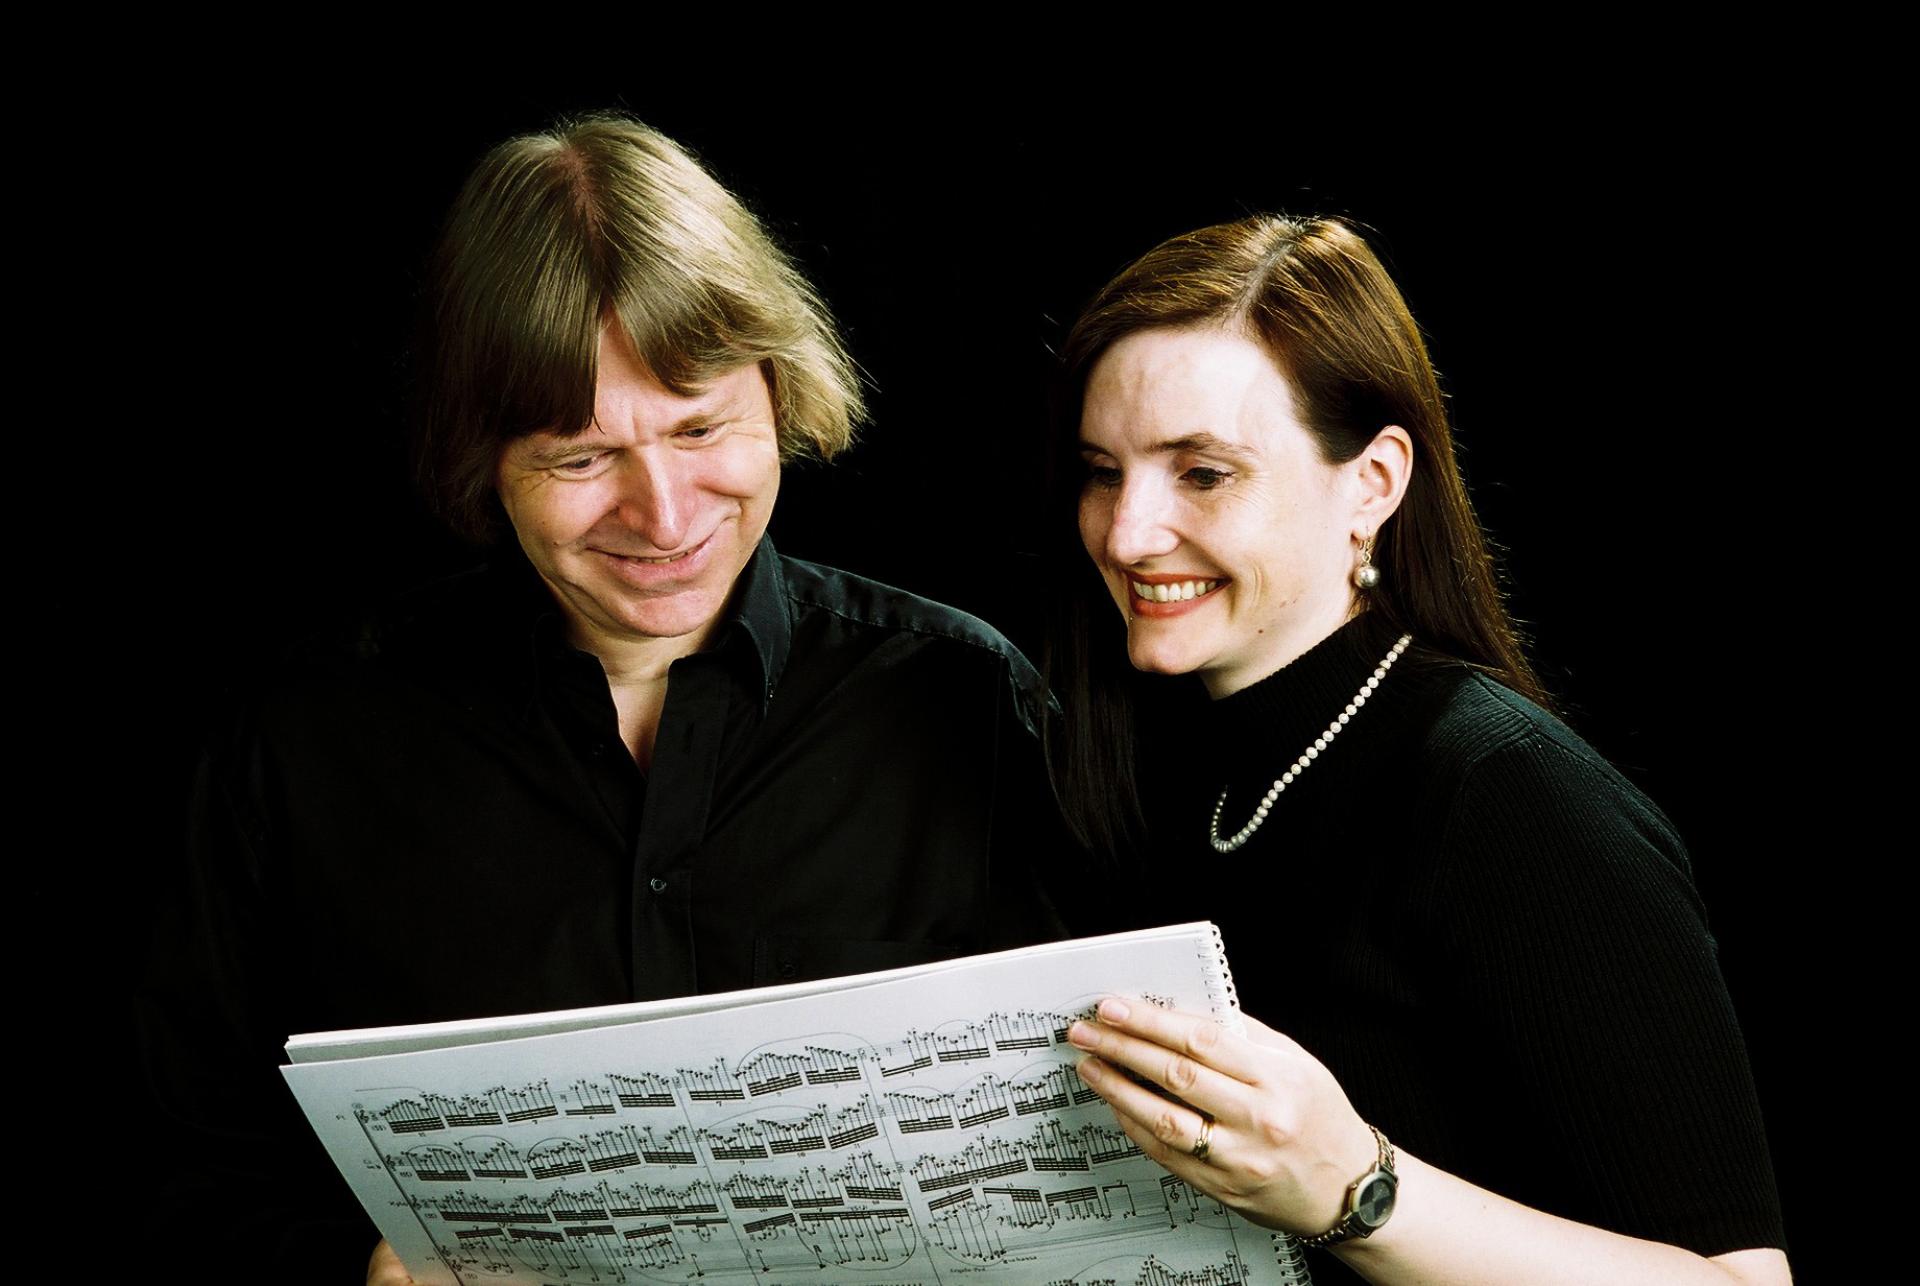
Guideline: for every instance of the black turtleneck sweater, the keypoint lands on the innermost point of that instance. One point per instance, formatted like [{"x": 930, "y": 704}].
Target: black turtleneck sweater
[{"x": 1486, "y": 933}]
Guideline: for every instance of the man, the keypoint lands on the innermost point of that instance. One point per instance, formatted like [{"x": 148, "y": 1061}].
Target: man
[{"x": 642, "y": 757}]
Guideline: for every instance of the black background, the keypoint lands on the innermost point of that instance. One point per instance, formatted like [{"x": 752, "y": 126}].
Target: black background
[{"x": 1623, "y": 301}]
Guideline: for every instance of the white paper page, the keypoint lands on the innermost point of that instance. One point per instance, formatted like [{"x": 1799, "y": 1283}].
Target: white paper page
[
  {"x": 368, "y": 1042},
  {"x": 928, "y": 1129}
]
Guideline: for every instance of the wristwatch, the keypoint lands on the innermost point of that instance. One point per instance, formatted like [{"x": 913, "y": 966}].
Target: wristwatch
[{"x": 1369, "y": 1201}]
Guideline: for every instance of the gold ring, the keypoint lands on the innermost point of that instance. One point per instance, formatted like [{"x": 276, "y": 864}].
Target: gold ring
[{"x": 1203, "y": 1146}]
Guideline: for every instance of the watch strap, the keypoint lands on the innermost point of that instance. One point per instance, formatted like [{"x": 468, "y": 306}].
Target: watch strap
[{"x": 1351, "y": 1224}]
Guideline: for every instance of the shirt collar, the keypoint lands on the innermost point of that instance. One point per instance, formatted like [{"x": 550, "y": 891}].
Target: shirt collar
[
  {"x": 763, "y": 612},
  {"x": 758, "y": 621},
  {"x": 1293, "y": 705}
]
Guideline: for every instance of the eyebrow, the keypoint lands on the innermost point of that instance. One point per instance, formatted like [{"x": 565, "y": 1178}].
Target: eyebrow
[
  {"x": 563, "y": 446},
  {"x": 1199, "y": 443},
  {"x": 545, "y": 447}
]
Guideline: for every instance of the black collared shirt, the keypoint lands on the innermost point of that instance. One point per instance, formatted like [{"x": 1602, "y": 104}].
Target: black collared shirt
[{"x": 437, "y": 819}]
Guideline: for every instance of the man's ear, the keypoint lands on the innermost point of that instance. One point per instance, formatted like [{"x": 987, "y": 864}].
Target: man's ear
[{"x": 1380, "y": 474}]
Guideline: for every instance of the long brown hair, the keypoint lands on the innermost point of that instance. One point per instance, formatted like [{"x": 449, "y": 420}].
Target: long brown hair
[{"x": 1313, "y": 294}]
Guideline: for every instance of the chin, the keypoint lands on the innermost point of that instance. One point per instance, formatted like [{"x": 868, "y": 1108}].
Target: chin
[
  {"x": 1157, "y": 660},
  {"x": 669, "y": 619}
]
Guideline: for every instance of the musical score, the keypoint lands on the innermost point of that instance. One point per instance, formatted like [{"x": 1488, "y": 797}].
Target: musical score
[{"x": 869, "y": 1149}]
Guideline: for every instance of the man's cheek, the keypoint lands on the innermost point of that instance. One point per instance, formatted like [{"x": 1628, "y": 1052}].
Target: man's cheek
[{"x": 750, "y": 471}]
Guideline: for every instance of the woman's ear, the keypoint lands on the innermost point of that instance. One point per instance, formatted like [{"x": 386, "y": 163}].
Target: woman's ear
[{"x": 1381, "y": 472}]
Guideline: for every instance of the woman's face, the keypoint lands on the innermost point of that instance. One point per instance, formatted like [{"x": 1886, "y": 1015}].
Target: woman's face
[{"x": 1227, "y": 543}]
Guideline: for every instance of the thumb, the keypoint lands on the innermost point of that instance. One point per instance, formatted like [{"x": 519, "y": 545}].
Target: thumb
[{"x": 385, "y": 1268}]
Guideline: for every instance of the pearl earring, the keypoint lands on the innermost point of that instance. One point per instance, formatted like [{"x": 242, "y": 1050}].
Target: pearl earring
[{"x": 1366, "y": 575}]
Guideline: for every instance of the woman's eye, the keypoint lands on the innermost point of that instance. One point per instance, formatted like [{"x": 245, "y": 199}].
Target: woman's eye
[
  {"x": 1102, "y": 475},
  {"x": 1206, "y": 479}
]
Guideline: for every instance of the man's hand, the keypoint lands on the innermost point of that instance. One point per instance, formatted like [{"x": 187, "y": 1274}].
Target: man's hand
[{"x": 385, "y": 1268}]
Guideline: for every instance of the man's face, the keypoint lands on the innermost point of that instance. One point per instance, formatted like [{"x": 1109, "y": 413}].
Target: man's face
[{"x": 641, "y": 524}]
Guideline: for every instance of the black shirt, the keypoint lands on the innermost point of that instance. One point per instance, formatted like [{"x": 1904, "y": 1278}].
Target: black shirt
[
  {"x": 436, "y": 818},
  {"x": 1487, "y": 934}
]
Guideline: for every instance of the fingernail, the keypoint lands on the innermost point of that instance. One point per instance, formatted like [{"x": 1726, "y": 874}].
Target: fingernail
[
  {"x": 1115, "y": 1008},
  {"x": 1089, "y": 1069},
  {"x": 1081, "y": 1034}
]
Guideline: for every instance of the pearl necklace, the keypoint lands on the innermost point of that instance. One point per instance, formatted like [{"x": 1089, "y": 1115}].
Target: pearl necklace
[{"x": 1312, "y": 752}]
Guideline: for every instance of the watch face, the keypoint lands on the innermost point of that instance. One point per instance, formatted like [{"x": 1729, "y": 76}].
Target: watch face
[{"x": 1374, "y": 1202}]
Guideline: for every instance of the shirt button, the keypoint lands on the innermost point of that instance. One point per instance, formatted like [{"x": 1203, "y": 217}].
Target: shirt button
[{"x": 657, "y": 884}]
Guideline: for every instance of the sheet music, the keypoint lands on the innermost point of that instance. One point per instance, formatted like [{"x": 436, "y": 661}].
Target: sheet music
[{"x": 926, "y": 1128}]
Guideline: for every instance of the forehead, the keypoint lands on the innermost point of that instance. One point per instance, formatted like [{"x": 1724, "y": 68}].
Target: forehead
[
  {"x": 1162, "y": 384},
  {"x": 622, "y": 375},
  {"x": 631, "y": 403}
]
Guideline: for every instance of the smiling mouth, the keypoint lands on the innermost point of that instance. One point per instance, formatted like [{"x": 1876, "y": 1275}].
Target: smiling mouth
[
  {"x": 645, "y": 560},
  {"x": 670, "y": 558},
  {"x": 1173, "y": 592}
]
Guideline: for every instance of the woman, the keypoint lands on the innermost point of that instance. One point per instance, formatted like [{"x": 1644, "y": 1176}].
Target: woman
[{"x": 1484, "y": 941}]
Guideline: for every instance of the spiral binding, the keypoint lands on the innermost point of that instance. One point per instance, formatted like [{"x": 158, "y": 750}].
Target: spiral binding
[
  {"x": 1225, "y": 1000},
  {"x": 1221, "y": 992},
  {"x": 1292, "y": 1258}
]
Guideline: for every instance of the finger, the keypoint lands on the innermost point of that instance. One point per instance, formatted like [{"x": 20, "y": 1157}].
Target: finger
[
  {"x": 1175, "y": 1157},
  {"x": 1172, "y": 1158},
  {"x": 1180, "y": 1075},
  {"x": 385, "y": 1268},
  {"x": 1194, "y": 1035},
  {"x": 1173, "y": 1127}
]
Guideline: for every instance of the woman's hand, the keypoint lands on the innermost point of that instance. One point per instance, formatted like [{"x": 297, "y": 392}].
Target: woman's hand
[
  {"x": 385, "y": 1268},
  {"x": 1285, "y": 1144}
]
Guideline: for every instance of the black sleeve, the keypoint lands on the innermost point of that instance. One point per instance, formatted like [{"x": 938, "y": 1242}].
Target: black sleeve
[
  {"x": 1032, "y": 852},
  {"x": 249, "y": 1180},
  {"x": 1613, "y": 1065}
]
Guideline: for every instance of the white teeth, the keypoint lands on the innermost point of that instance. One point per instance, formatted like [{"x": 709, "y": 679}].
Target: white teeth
[{"x": 1177, "y": 592}]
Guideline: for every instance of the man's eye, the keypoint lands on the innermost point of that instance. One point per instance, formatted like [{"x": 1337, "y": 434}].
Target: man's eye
[
  {"x": 699, "y": 431},
  {"x": 1206, "y": 479},
  {"x": 582, "y": 464}
]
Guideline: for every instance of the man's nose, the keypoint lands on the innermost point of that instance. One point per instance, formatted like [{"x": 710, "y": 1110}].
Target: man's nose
[
  {"x": 655, "y": 499},
  {"x": 1141, "y": 527}
]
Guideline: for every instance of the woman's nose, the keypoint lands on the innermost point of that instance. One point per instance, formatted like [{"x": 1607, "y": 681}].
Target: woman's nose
[{"x": 1141, "y": 527}]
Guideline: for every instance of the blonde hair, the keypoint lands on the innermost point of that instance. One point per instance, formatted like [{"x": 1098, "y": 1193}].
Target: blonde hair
[{"x": 600, "y": 221}]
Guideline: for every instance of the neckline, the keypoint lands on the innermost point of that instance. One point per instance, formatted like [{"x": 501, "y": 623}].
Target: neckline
[
  {"x": 1291, "y": 706},
  {"x": 756, "y": 623}
]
